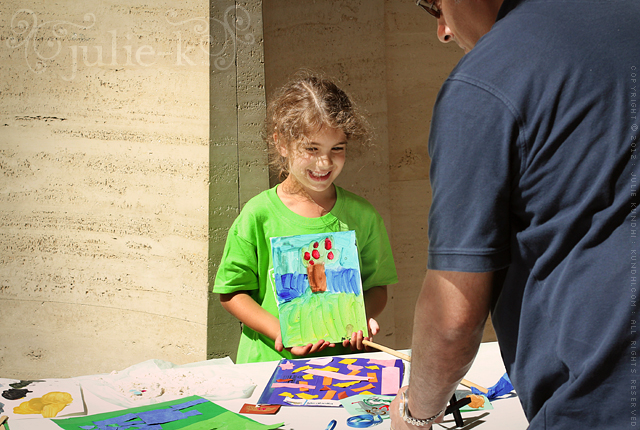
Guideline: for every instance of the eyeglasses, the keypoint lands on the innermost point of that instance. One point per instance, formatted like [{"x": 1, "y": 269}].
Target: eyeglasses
[{"x": 430, "y": 6}]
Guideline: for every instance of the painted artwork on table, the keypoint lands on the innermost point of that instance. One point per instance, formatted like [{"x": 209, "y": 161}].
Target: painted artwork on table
[
  {"x": 45, "y": 398},
  {"x": 318, "y": 287},
  {"x": 325, "y": 381},
  {"x": 188, "y": 413}
]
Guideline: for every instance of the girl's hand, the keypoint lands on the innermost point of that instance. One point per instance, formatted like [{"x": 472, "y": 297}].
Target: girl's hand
[
  {"x": 305, "y": 349},
  {"x": 356, "y": 337}
]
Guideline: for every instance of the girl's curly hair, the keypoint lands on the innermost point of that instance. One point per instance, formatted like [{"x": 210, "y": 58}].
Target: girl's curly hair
[{"x": 301, "y": 108}]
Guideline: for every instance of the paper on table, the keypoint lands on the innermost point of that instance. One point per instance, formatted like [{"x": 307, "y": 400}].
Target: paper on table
[
  {"x": 321, "y": 361},
  {"x": 332, "y": 381},
  {"x": 390, "y": 380},
  {"x": 38, "y": 389},
  {"x": 162, "y": 380},
  {"x": 368, "y": 404},
  {"x": 191, "y": 413}
]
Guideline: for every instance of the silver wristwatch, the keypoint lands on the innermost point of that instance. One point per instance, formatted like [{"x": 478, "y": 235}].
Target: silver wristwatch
[{"x": 406, "y": 416}]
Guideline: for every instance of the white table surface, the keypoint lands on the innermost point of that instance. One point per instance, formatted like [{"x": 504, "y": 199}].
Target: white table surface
[{"x": 487, "y": 369}]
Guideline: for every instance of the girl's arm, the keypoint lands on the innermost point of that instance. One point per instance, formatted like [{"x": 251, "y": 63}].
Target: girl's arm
[
  {"x": 375, "y": 299},
  {"x": 250, "y": 313}
]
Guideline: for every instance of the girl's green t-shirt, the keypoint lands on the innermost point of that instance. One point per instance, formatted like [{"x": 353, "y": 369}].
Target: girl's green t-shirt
[{"x": 246, "y": 262}]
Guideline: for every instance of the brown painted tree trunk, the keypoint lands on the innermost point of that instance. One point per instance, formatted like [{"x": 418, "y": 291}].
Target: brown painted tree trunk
[{"x": 317, "y": 277}]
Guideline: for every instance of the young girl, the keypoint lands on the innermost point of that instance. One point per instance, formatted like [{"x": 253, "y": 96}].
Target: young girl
[{"x": 309, "y": 123}]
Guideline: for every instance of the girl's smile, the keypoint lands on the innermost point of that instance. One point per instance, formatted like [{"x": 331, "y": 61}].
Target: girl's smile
[{"x": 319, "y": 176}]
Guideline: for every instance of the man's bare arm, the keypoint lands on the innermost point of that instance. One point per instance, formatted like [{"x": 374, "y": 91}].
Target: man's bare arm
[{"x": 448, "y": 325}]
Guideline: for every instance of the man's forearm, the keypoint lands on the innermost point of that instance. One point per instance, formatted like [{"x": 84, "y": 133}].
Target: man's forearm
[{"x": 448, "y": 326}]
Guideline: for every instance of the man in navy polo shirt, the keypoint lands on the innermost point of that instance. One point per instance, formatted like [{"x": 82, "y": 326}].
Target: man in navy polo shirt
[{"x": 534, "y": 175}]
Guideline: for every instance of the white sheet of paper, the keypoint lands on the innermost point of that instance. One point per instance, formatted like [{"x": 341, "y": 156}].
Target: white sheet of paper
[{"x": 38, "y": 389}]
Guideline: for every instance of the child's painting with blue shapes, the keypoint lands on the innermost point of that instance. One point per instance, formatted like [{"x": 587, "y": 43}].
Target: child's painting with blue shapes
[{"x": 318, "y": 287}]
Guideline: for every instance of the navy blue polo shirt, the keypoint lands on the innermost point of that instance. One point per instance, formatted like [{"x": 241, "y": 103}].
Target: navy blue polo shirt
[{"x": 534, "y": 171}]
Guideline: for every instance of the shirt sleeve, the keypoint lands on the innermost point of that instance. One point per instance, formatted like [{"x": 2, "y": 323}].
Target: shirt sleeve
[
  {"x": 474, "y": 137},
  {"x": 237, "y": 271},
  {"x": 378, "y": 267}
]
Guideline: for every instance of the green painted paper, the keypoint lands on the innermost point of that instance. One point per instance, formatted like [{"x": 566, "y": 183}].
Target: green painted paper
[{"x": 213, "y": 417}]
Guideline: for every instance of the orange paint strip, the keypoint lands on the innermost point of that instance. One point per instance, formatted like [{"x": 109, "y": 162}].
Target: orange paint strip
[
  {"x": 329, "y": 395},
  {"x": 372, "y": 377},
  {"x": 327, "y": 381},
  {"x": 342, "y": 395}
]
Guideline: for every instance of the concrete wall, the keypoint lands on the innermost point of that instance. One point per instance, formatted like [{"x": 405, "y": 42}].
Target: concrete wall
[
  {"x": 237, "y": 153},
  {"x": 104, "y": 128}
]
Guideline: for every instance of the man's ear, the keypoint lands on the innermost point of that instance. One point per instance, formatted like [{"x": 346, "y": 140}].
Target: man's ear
[{"x": 279, "y": 146}]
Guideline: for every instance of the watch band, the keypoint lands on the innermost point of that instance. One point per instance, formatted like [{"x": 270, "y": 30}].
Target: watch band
[{"x": 406, "y": 415}]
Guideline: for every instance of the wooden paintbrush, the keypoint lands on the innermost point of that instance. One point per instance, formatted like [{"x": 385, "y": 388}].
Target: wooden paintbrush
[{"x": 405, "y": 357}]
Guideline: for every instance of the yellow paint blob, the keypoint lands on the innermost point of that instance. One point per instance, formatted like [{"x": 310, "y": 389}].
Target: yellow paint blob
[{"x": 48, "y": 405}]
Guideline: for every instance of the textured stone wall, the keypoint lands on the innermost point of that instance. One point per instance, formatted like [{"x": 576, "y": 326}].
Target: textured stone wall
[
  {"x": 104, "y": 169},
  {"x": 238, "y": 154},
  {"x": 417, "y": 65}
]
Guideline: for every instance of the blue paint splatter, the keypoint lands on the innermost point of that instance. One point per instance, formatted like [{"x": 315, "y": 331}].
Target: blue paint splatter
[
  {"x": 291, "y": 285},
  {"x": 343, "y": 281}
]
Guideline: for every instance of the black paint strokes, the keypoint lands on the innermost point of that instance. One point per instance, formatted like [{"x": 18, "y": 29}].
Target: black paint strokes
[{"x": 15, "y": 394}]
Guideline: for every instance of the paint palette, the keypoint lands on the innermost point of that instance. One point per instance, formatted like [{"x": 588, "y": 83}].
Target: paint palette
[
  {"x": 318, "y": 287},
  {"x": 327, "y": 380}
]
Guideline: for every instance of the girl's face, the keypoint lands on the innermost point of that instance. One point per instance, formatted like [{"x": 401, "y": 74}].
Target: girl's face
[{"x": 319, "y": 161}]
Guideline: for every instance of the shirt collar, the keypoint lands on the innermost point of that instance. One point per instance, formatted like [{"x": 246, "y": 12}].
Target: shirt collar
[{"x": 507, "y": 6}]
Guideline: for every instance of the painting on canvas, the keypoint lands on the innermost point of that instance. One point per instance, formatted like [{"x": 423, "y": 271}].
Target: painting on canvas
[{"x": 318, "y": 287}]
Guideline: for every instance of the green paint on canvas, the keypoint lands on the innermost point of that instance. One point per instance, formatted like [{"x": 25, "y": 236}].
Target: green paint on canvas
[{"x": 331, "y": 317}]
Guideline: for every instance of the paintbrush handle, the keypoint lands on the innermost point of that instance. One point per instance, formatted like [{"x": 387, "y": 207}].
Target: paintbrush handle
[
  {"x": 470, "y": 384},
  {"x": 393, "y": 352},
  {"x": 405, "y": 357}
]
